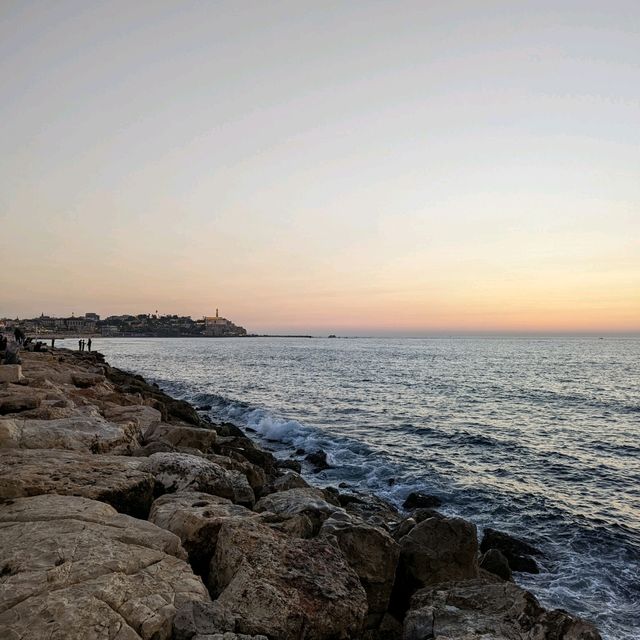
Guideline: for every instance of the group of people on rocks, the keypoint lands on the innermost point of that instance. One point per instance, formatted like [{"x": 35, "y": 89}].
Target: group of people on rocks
[{"x": 84, "y": 344}]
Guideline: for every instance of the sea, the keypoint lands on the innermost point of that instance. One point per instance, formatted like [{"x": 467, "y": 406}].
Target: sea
[{"x": 535, "y": 436}]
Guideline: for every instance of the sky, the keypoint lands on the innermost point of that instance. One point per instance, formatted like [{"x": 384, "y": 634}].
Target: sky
[{"x": 378, "y": 168}]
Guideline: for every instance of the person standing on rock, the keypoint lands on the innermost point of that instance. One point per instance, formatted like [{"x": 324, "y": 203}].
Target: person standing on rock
[
  {"x": 80, "y": 345},
  {"x": 89, "y": 344}
]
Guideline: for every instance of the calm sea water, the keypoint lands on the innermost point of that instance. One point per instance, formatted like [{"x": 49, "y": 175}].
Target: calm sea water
[{"x": 539, "y": 437}]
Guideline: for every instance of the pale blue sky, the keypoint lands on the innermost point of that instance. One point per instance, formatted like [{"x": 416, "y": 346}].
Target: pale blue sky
[{"x": 362, "y": 166}]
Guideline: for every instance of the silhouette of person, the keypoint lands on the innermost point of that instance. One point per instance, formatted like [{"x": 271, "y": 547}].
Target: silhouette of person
[
  {"x": 79, "y": 345},
  {"x": 89, "y": 344}
]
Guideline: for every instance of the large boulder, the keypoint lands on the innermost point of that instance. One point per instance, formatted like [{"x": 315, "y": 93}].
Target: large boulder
[
  {"x": 144, "y": 416},
  {"x": 11, "y": 373},
  {"x": 435, "y": 550},
  {"x": 296, "y": 502},
  {"x": 116, "y": 480},
  {"x": 84, "y": 430},
  {"x": 517, "y": 552},
  {"x": 478, "y": 610},
  {"x": 288, "y": 480},
  {"x": 373, "y": 554},
  {"x": 74, "y": 568},
  {"x": 284, "y": 587},
  {"x": 256, "y": 476},
  {"x": 494, "y": 562},
  {"x": 17, "y": 399},
  {"x": 372, "y": 509},
  {"x": 182, "y": 436},
  {"x": 196, "y": 519},
  {"x": 183, "y": 472},
  {"x": 244, "y": 448}
]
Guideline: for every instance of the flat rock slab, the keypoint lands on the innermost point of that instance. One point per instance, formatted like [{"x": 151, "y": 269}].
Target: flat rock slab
[
  {"x": 84, "y": 430},
  {"x": 116, "y": 480},
  {"x": 11, "y": 373},
  {"x": 76, "y": 569}
]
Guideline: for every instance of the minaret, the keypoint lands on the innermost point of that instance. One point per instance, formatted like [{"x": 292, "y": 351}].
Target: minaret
[{"x": 216, "y": 312}]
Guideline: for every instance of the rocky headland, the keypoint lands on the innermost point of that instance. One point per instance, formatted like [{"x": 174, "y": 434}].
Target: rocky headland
[{"x": 124, "y": 514}]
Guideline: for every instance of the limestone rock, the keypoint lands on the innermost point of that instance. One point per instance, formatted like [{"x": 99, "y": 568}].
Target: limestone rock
[
  {"x": 73, "y": 568},
  {"x": 196, "y": 519},
  {"x": 84, "y": 430},
  {"x": 288, "y": 480},
  {"x": 116, "y": 480},
  {"x": 184, "y": 472},
  {"x": 417, "y": 499},
  {"x": 476, "y": 610},
  {"x": 182, "y": 436},
  {"x": 285, "y": 588},
  {"x": 373, "y": 554},
  {"x": 11, "y": 373},
  {"x": 295, "y": 502},
  {"x": 435, "y": 550}
]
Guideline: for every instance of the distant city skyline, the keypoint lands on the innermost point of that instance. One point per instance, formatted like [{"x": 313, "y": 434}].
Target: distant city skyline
[{"x": 370, "y": 168}]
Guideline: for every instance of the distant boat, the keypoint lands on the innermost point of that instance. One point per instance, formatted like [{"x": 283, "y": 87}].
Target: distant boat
[{"x": 332, "y": 335}]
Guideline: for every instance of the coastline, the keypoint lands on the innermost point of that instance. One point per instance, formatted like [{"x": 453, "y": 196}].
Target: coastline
[{"x": 240, "y": 541}]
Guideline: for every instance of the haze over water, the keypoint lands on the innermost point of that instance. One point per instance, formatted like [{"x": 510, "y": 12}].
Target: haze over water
[{"x": 536, "y": 436}]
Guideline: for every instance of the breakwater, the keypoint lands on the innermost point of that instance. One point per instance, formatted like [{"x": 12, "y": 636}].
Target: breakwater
[{"x": 125, "y": 513}]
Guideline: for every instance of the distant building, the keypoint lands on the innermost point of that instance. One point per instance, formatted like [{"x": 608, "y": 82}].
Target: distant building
[
  {"x": 92, "y": 316},
  {"x": 219, "y": 327}
]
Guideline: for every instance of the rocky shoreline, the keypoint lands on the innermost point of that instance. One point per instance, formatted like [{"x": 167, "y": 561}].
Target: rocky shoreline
[{"x": 124, "y": 514}]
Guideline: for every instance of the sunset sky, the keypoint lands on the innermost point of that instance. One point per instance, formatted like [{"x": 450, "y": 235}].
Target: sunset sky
[{"x": 346, "y": 167}]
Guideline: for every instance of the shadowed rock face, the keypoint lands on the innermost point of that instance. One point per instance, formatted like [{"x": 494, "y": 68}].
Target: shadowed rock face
[
  {"x": 284, "y": 587},
  {"x": 435, "y": 550},
  {"x": 74, "y": 568},
  {"x": 478, "y": 609},
  {"x": 196, "y": 519},
  {"x": 517, "y": 552},
  {"x": 116, "y": 480},
  {"x": 372, "y": 554}
]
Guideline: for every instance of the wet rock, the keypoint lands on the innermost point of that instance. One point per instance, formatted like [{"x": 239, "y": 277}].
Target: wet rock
[
  {"x": 183, "y": 472},
  {"x": 294, "y": 465},
  {"x": 116, "y": 480},
  {"x": 196, "y": 519},
  {"x": 226, "y": 430},
  {"x": 294, "y": 502},
  {"x": 74, "y": 568},
  {"x": 476, "y": 609},
  {"x": 417, "y": 500},
  {"x": 319, "y": 460},
  {"x": 434, "y": 551},
  {"x": 517, "y": 552},
  {"x": 494, "y": 562},
  {"x": 248, "y": 450},
  {"x": 403, "y": 528},
  {"x": 283, "y": 587},
  {"x": 424, "y": 514},
  {"x": 288, "y": 480},
  {"x": 204, "y": 407},
  {"x": 179, "y": 436},
  {"x": 373, "y": 554}
]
